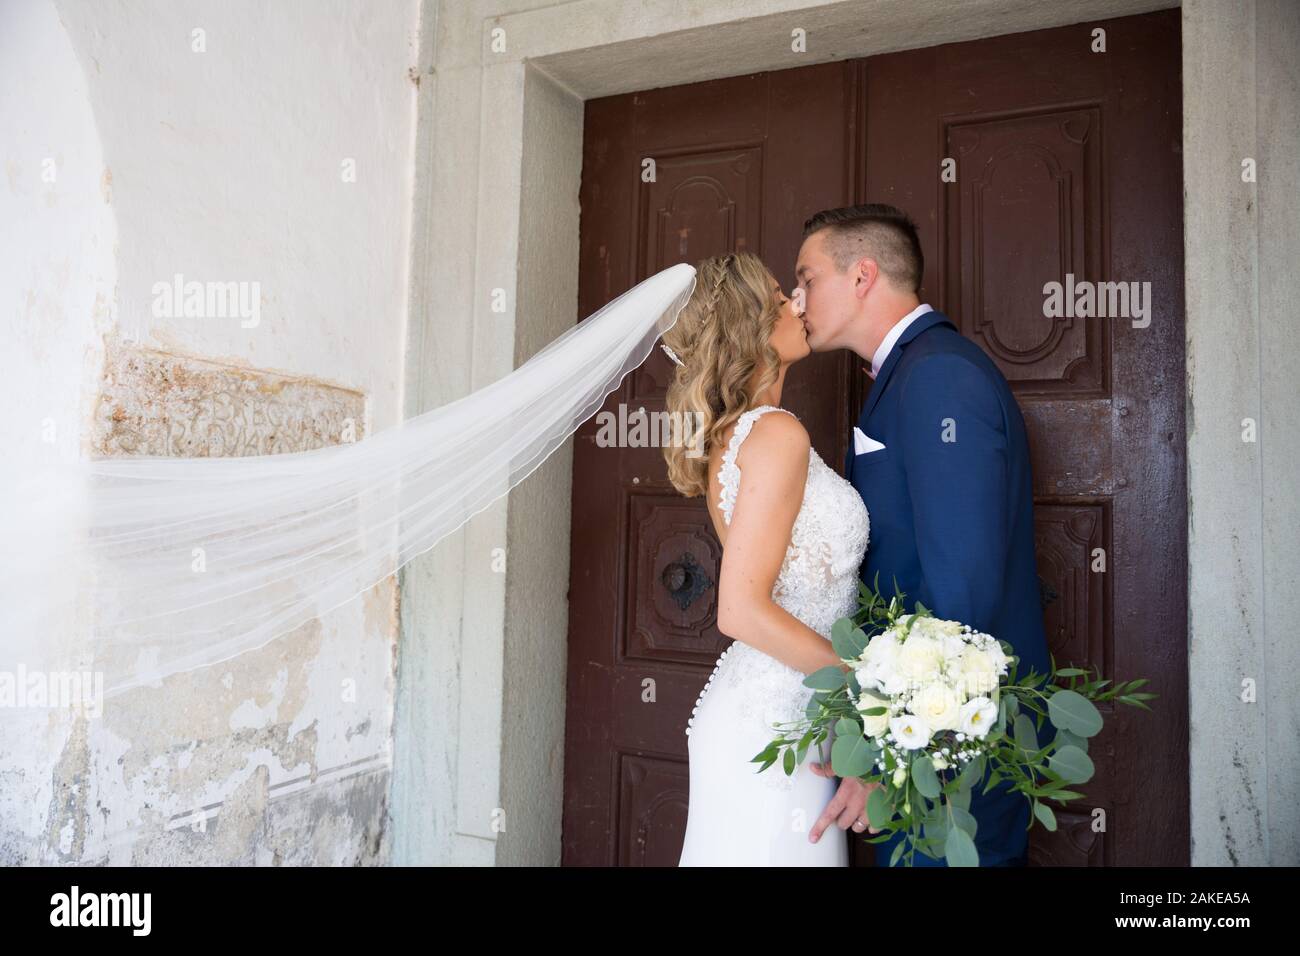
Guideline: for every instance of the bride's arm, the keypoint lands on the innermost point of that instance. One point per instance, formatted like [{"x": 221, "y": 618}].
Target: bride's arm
[{"x": 773, "y": 463}]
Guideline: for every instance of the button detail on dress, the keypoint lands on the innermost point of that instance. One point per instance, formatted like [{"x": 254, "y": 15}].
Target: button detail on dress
[{"x": 707, "y": 684}]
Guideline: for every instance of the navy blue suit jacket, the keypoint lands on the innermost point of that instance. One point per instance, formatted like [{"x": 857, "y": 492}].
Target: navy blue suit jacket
[{"x": 952, "y": 520}]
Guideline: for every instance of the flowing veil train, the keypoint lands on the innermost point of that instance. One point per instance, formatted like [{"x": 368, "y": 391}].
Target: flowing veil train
[{"x": 285, "y": 538}]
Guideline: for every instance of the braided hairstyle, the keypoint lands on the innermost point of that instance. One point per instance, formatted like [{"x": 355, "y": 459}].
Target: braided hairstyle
[{"x": 722, "y": 338}]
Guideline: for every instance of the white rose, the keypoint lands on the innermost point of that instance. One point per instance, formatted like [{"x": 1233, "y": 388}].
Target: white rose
[
  {"x": 976, "y": 672},
  {"x": 977, "y": 717},
  {"x": 941, "y": 628},
  {"x": 938, "y": 705},
  {"x": 919, "y": 660},
  {"x": 954, "y": 648},
  {"x": 910, "y": 730},
  {"x": 873, "y": 725},
  {"x": 882, "y": 646},
  {"x": 877, "y": 661}
]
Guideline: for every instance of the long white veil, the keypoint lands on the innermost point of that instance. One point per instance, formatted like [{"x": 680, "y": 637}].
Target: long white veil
[{"x": 184, "y": 562}]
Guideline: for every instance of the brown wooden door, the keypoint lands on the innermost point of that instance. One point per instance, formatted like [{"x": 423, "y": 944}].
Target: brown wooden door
[{"x": 1066, "y": 161}]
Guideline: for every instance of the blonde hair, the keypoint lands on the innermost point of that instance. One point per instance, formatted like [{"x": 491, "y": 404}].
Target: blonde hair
[{"x": 722, "y": 337}]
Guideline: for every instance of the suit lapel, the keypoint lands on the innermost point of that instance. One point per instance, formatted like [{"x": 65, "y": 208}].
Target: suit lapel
[{"x": 927, "y": 321}]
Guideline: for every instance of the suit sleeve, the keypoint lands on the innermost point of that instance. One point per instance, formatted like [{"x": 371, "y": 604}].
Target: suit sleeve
[{"x": 955, "y": 456}]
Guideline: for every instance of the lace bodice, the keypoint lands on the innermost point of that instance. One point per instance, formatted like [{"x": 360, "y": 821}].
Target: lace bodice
[{"x": 817, "y": 583}]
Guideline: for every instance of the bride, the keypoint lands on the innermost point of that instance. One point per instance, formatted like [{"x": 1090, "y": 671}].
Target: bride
[{"x": 793, "y": 534}]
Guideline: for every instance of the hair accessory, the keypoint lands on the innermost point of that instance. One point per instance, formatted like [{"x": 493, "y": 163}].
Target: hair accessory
[{"x": 671, "y": 354}]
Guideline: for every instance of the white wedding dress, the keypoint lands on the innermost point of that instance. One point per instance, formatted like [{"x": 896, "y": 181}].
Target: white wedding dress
[{"x": 737, "y": 816}]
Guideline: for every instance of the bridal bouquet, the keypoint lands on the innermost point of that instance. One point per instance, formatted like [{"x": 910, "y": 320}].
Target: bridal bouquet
[{"x": 925, "y": 707}]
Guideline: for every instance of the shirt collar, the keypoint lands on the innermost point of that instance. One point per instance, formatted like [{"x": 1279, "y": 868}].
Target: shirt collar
[{"x": 893, "y": 335}]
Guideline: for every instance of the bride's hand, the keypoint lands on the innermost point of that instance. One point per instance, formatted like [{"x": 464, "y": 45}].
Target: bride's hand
[{"x": 848, "y": 808}]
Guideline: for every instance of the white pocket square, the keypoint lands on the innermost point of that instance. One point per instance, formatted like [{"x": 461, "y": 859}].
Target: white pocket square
[{"x": 863, "y": 443}]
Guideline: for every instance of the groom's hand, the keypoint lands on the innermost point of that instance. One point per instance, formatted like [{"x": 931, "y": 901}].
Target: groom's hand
[{"x": 848, "y": 806}]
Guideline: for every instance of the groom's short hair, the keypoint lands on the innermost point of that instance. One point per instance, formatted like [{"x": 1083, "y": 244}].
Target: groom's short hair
[{"x": 877, "y": 230}]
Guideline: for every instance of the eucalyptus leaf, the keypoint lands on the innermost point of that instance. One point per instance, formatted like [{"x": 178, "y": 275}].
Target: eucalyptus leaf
[
  {"x": 964, "y": 819},
  {"x": 849, "y": 641},
  {"x": 1071, "y": 764},
  {"x": 830, "y": 677},
  {"x": 851, "y": 755},
  {"x": 959, "y": 848},
  {"x": 937, "y": 830},
  {"x": 878, "y": 810},
  {"x": 1045, "y": 815},
  {"x": 924, "y": 777},
  {"x": 1066, "y": 739},
  {"x": 1074, "y": 712},
  {"x": 1026, "y": 736},
  {"x": 925, "y": 848}
]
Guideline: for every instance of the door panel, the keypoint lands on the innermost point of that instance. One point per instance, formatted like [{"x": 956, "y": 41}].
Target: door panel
[
  {"x": 730, "y": 174},
  {"x": 1068, "y": 162}
]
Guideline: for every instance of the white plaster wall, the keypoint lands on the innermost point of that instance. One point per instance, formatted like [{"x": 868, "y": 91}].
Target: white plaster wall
[
  {"x": 222, "y": 165},
  {"x": 1277, "y": 109},
  {"x": 1241, "y": 94},
  {"x": 57, "y": 281}
]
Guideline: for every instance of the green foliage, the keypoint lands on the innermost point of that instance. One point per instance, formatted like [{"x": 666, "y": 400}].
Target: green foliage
[
  {"x": 1072, "y": 711},
  {"x": 931, "y": 808}
]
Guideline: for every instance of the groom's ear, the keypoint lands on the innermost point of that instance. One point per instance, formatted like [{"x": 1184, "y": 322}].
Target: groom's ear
[{"x": 866, "y": 273}]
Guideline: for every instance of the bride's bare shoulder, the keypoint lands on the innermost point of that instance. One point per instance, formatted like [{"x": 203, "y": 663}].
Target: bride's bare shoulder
[
  {"x": 772, "y": 434},
  {"x": 774, "y": 438},
  {"x": 777, "y": 447}
]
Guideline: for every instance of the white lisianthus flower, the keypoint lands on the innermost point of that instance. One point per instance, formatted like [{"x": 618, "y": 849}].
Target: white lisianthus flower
[
  {"x": 873, "y": 725},
  {"x": 900, "y": 776},
  {"x": 977, "y": 716},
  {"x": 910, "y": 730},
  {"x": 938, "y": 705}
]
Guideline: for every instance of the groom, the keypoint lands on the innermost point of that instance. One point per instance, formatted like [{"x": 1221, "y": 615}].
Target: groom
[{"x": 940, "y": 457}]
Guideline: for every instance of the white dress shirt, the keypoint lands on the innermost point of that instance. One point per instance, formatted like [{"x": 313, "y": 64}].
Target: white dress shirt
[{"x": 893, "y": 335}]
